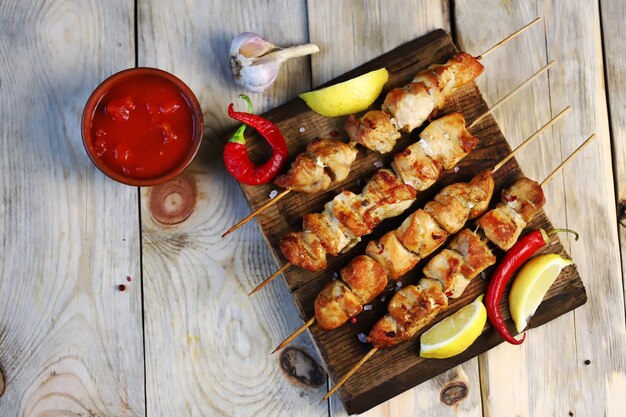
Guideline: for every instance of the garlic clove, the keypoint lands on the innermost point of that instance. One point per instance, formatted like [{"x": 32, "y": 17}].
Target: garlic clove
[
  {"x": 257, "y": 78},
  {"x": 250, "y": 45},
  {"x": 255, "y": 62}
]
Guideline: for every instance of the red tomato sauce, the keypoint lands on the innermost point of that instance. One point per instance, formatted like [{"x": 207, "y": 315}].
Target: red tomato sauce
[{"x": 142, "y": 127}]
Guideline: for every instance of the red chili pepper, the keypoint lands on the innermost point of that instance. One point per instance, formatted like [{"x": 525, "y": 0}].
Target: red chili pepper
[
  {"x": 236, "y": 157},
  {"x": 513, "y": 259}
]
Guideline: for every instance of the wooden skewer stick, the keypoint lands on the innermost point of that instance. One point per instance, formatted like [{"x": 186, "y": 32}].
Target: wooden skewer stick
[
  {"x": 349, "y": 374},
  {"x": 568, "y": 159},
  {"x": 257, "y": 211},
  {"x": 373, "y": 350},
  {"x": 294, "y": 335},
  {"x": 271, "y": 278},
  {"x": 508, "y": 38},
  {"x": 512, "y": 93},
  {"x": 499, "y": 165},
  {"x": 531, "y": 138}
]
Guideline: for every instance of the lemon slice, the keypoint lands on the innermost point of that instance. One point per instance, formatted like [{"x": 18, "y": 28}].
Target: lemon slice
[
  {"x": 348, "y": 97},
  {"x": 455, "y": 333},
  {"x": 532, "y": 284}
]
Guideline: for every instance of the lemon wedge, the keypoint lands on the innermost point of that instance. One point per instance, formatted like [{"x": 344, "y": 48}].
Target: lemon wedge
[
  {"x": 455, "y": 333},
  {"x": 348, "y": 97},
  {"x": 531, "y": 285}
]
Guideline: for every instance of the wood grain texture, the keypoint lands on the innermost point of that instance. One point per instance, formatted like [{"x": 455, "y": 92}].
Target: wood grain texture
[
  {"x": 372, "y": 28},
  {"x": 70, "y": 342},
  {"x": 207, "y": 342},
  {"x": 613, "y": 12},
  {"x": 397, "y": 369}
]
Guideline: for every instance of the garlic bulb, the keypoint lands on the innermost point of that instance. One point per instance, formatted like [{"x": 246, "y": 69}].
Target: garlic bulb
[{"x": 255, "y": 62}]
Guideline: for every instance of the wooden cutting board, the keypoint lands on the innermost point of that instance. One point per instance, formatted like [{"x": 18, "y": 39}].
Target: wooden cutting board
[{"x": 392, "y": 371}]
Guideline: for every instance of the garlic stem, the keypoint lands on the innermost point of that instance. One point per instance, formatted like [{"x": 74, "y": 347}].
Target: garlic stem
[{"x": 282, "y": 55}]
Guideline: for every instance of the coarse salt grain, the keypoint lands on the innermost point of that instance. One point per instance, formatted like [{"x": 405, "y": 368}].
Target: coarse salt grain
[
  {"x": 362, "y": 337},
  {"x": 399, "y": 284},
  {"x": 383, "y": 298},
  {"x": 301, "y": 130},
  {"x": 483, "y": 275},
  {"x": 378, "y": 164},
  {"x": 335, "y": 274},
  {"x": 456, "y": 169},
  {"x": 367, "y": 307},
  {"x": 273, "y": 194}
]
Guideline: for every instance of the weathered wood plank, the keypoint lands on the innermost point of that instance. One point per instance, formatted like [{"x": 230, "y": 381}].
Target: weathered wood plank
[
  {"x": 207, "y": 342},
  {"x": 552, "y": 358},
  {"x": 70, "y": 342},
  {"x": 613, "y": 13},
  {"x": 600, "y": 334}
]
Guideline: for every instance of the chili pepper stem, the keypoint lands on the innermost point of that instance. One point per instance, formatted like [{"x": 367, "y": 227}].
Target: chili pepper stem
[
  {"x": 555, "y": 231},
  {"x": 239, "y": 137}
]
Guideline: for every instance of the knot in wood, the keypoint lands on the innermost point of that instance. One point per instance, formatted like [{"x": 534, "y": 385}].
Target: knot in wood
[
  {"x": 300, "y": 368},
  {"x": 453, "y": 393},
  {"x": 173, "y": 202}
]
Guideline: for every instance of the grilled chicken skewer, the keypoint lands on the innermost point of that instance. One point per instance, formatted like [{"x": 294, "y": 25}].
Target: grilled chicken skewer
[
  {"x": 398, "y": 251},
  {"x": 349, "y": 216},
  {"x": 328, "y": 161},
  {"x": 415, "y": 306}
]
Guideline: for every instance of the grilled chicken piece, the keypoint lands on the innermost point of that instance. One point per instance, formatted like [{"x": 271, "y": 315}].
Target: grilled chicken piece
[
  {"x": 447, "y": 141},
  {"x": 526, "y": 197},
  {"x": 374, "y": 131},
  {"x": 502, "y": 225},
  {"x": 409, "y": 106},
  {"x": 410, "y": 309},
  {"x": 476, "y": 254},
  {"x": 304, "y": 249},
  {"x": 345, "y": 208},
  {"x": 452, "y": 206},
  {"x": 433, "y": 85},
  {"x": 305, "y": 175},
  {"x": 365, "y": 277},
  {"x": 392, "y": 255},
  {"x": 484, "y": 182},
  {"x": 521, "y": 202},
  {"x": 335, "y": 155},
  {"x": 465, "y": 67},
  {"x": 335, "y": 304},
  {"x": 333, "y": 236},
  {"x": 449, "y": 212},
  {"x": 446, "y": 267},
  {"x": 416, "y": 168},
  {"x": 325, "y": 161},
  {"x": 421, "y": 234},
  {"x": 395, "y": 196}
]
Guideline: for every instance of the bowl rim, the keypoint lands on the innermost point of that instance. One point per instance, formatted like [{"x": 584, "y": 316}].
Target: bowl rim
[{"x": 104, "y": 87}]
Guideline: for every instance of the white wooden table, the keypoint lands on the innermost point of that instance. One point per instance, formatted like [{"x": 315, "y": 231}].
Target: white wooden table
[{"x": 184, "y": 339}]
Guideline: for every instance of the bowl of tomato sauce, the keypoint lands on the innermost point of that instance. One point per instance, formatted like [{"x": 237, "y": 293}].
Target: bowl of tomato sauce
[{"x": 142, "y": 126}]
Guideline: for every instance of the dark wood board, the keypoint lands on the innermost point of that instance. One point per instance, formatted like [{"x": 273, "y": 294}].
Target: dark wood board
[{"x": 390, "y": 372}]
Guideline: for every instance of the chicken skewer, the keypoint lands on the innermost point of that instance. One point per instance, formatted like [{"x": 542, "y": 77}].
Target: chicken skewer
[
  {"x": 404, "y": 109},
  {"x": 398, "y": 251},
  {"x": 348, "y": 217},
  {"x": 415, "y": 306}
]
